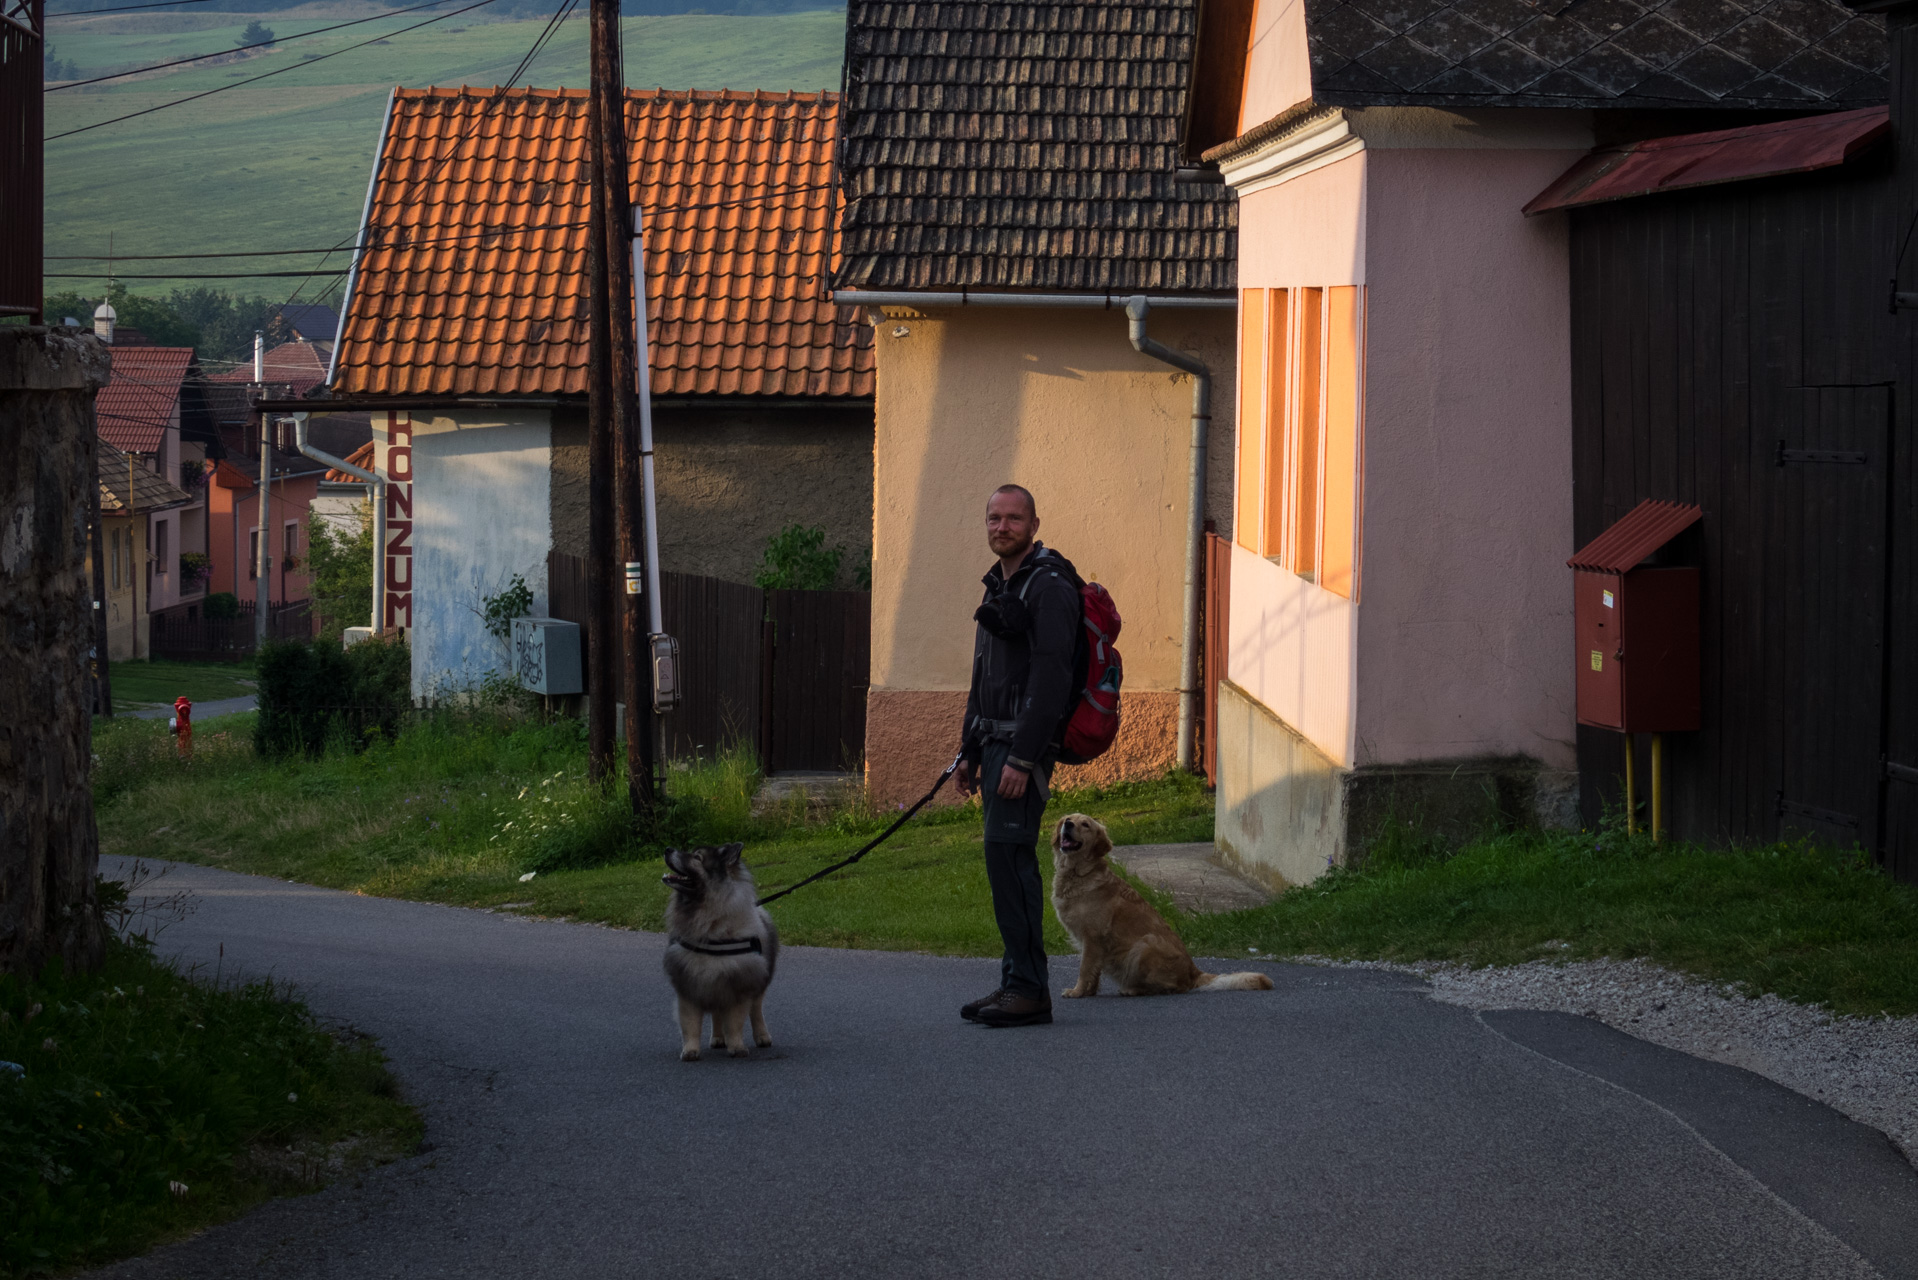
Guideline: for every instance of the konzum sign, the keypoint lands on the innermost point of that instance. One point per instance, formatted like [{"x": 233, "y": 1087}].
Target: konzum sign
[{"x": 399, "y": 521}]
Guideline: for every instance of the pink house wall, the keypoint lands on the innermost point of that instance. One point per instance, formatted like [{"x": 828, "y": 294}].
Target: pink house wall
[{"x": 1465, "y": 629}]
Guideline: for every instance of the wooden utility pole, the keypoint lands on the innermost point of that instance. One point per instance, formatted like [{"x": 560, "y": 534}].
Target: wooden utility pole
[
  {"x": 602, "y": 634},
  {"x": 617, "y": 377}
]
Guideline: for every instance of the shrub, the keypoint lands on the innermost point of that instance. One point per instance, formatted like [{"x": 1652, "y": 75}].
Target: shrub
[
  {"x": 256, "y": 33},
  {"x": 221, "y": 606},
  {"x": 313, "y": 694},
  {"x": 797, "y": 559},
  {"x": 341, "y": 568}
]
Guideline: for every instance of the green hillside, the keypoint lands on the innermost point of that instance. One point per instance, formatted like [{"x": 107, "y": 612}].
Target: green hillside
[{"x": 284, "y": 163}]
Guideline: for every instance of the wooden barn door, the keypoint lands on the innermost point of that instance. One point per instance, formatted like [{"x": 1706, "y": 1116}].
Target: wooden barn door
[
  {"x": 820, "y": 667},
  {"x": 1825, "y": 610}
]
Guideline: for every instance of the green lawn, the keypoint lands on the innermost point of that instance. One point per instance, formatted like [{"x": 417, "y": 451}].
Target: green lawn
[
  {"x": 158, "y": 682},
  {"x": 284, "y": 163},
  {"x": 457, "y": 811}
]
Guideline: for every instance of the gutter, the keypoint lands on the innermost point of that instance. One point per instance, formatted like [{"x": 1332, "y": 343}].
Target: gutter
[
  {"x": 348, "y": 404},
  {"x": 1137, "y": 308},
  {"x": 992, "y": 298},
  {"x": 378, "y": 488}
]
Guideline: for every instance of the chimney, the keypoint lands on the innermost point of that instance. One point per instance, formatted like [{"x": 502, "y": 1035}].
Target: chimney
[{"x": 259, "y": 356}]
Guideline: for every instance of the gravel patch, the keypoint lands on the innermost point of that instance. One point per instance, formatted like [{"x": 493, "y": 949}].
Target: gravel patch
[{"x": 1865, "y": 1068}]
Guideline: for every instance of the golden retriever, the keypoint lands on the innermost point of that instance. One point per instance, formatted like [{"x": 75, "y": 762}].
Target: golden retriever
[{"x": 1117, "y": 931}]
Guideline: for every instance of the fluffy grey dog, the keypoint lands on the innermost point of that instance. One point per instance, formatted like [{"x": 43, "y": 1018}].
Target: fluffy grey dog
[{"x": 721, "y": 948}]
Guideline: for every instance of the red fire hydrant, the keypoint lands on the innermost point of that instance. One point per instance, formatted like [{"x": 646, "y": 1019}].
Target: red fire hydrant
[{"x": 182, "y": 726}]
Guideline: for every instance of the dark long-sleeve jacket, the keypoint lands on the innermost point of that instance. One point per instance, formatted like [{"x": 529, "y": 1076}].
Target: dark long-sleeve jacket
[{"x": 1027, "y": 675}]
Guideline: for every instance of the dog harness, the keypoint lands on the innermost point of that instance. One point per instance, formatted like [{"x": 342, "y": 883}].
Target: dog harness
[{"x": 722, "y": 947}]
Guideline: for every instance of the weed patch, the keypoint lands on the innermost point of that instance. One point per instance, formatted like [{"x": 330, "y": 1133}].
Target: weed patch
[{"x": 139, "y": 1103}]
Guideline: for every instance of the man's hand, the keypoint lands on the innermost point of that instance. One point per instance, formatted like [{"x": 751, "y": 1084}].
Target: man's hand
[
  {"x": 1012, "y": 782},
  {"x": 963, "y": 777}
]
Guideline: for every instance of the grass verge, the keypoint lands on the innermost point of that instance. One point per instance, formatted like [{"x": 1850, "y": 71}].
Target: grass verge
[
  {"x": 148, "y": 1103},
  {"x": 1810, "y": 924},
  {"x": 458, "y": 809}
]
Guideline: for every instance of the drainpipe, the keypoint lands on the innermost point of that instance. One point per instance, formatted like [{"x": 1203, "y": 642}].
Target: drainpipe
[
  {"x": 1136, "y": 310},
  {"x": 376, "y": 489}
]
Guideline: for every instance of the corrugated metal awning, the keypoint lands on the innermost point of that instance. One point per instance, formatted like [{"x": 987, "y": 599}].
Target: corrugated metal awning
[
  {"x": 1642, "y": 530},
  {"x": 1706, "y": 159}
]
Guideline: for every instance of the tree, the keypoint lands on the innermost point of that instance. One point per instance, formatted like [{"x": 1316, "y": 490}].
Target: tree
[
  {"x": 49, "y": 846},
  {"x": 797, "y": 559},
  {"x": 256, "y": 33},
  {"x": 340, "y": 569}
]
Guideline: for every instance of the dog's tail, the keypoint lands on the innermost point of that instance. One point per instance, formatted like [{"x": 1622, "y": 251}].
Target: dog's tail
[{"x": 1233, "y": 982}]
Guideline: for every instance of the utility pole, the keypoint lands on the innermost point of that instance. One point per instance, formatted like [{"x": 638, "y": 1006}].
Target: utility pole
[
  {"x": 615, "y": 380},
  {"x": 263, "y": 586},
  {"x": 602, "y": 634}
]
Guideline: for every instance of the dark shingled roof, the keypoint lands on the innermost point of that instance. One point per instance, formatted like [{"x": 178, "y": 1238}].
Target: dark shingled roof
[
  {"x": 1025, "y": 144},
  {"x": 1761, "y": 54}
]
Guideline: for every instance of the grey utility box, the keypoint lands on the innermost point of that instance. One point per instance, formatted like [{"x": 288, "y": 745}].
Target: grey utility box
[{"x": 546, "y": 655}]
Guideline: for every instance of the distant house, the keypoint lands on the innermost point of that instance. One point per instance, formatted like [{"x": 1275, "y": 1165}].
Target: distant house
[
  {"x": 1010, "y": 179},
  {"x": 233, "y": 523},
  {"x": 311, "y": 322},
  {"x": 134, "y": 501},
  {"x": 293, "y": 369},
  {"x": 139, "y": 414},
  {"x": 1400, "y": 610},
  {"x": 466, "y": 333}
]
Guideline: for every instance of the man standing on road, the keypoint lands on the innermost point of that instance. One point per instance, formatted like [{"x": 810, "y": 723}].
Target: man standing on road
[{"x": 1022, "y": 675}]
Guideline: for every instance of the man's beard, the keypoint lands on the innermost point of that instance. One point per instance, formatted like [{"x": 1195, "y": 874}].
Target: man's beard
[{"x": 1021, "y": 548}]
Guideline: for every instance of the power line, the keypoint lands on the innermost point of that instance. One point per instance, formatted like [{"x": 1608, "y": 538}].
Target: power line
[
  {"x": 232, "y": 275},
  {"x": 125, "y": 8},
  {"x": 257, "y": 44},
  {"x": 651, "y": 210},
  {"x": 240, "y": 48},
  {"x": 263, "y": 75},
  {"x": 552, "y": 26}
]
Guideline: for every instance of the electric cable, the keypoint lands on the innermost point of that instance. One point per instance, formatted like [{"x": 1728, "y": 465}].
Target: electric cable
[
  {"x": 125, "y": 8},
  {"x": 242, "y": 48},
  {"x": 131, "y": 115}
]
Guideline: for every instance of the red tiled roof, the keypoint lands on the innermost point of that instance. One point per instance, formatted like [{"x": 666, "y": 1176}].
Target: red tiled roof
[
  {"x": 1706, "y": 159},
  {"x": 735, "y": 189},
  {"x": 137, "y": 405},
  {"x": 361, "y": 457},
  {"x": 300, "y": 366}
]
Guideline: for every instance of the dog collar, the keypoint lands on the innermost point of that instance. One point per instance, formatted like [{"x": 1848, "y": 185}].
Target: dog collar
[{"x": 722, "y": 947}]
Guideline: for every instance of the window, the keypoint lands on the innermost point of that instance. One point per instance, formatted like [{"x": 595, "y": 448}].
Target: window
[
  {"x": 290, "y": 540},
  {"x": 1301, "y": 361},
  {"x": 113, "y": 557},
  {"x": 159, "y": 548},
  {"x": 253, "y": 554}
]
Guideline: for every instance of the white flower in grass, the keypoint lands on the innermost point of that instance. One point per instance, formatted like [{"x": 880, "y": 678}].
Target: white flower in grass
[
  {"x": 528, "y": 876},
  {"x": 292, "y": 1097},
  {"x": 179, "y": 1189}
]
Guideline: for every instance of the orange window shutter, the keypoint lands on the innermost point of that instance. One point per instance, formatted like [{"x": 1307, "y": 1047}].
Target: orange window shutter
[
  {"x": 1306, "y": 438},
  {"x": 1250, "y": 482},
  {"x": 1344, "y": 417},
  {"x": 1278, "y": 385}
]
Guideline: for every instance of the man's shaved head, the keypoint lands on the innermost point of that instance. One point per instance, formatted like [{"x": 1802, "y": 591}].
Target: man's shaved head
[{"x": 1032, "y": 507}]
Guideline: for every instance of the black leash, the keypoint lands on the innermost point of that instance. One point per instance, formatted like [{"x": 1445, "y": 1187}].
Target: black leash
[{"x": 877, "y": 840}]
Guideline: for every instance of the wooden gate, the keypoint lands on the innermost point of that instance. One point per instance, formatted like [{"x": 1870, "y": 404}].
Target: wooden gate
[
  {"x": 783, "y": 672},
  {"x": 821, "y": 657}
]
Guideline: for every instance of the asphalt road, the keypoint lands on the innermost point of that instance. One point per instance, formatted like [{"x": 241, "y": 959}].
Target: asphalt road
[{"x": 1340, "y": 1125}]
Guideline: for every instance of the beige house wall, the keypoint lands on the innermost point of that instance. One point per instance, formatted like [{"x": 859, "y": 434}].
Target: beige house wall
[
  {"x": 731, "y": 476},
  {"x": 127, "y": 628},
  {"x": 1060, "y": 402}
]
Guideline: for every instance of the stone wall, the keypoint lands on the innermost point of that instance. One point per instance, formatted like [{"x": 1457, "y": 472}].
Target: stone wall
[{"x": 49, "y": 846}]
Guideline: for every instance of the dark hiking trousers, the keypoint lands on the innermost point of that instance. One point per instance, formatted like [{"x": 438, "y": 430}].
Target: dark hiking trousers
[{"x": 1012, "y": 868}]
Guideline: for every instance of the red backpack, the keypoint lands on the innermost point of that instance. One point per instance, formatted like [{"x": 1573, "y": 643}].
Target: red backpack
[{"x": 1094, "y": 721}]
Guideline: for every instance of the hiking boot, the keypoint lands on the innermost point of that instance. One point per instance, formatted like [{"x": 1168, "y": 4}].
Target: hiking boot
[
  {"x": 970, "y": 1012},
  {"x": 1011, "y": 1010}
]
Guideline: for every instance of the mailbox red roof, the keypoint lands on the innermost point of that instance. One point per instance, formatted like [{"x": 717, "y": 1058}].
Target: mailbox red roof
[
  {"x": 1647, "y": 527},
  {"x": 1706, "y": 159}
]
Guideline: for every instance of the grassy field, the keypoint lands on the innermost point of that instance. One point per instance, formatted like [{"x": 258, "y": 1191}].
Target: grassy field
[
  {"x": 284, "y": 163},
  {"x": 147, "y": 1105},
  {"x": 458, "y": 812},
  {"x": 157, "y": 683}
]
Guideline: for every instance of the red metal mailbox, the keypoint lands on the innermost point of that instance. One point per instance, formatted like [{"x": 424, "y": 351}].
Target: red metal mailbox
[{"x": 1637, "y": 626}]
